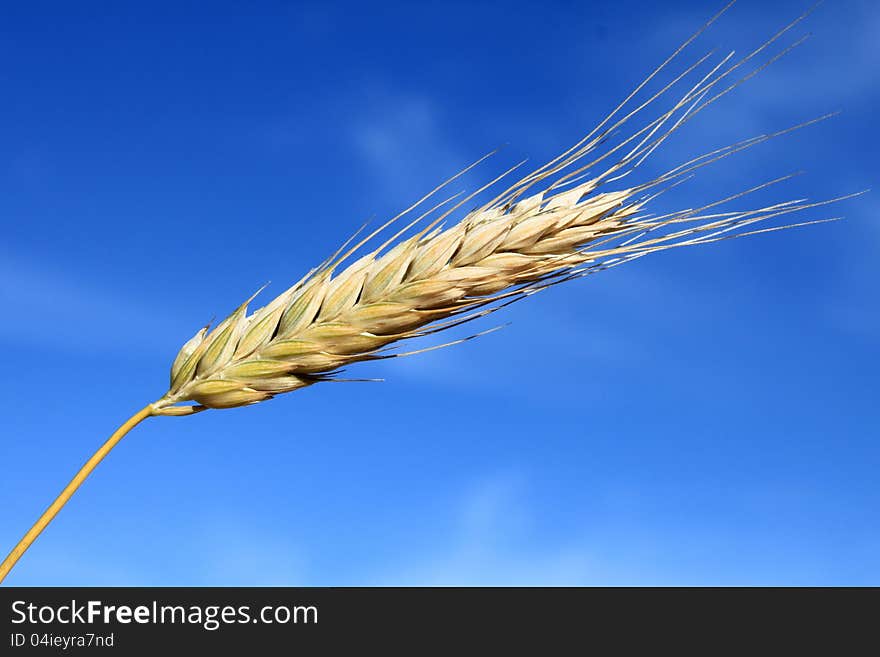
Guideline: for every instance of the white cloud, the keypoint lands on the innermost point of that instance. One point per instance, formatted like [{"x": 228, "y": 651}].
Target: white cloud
[
  {"x": 39, "y": 295},
  {"x": 404, "y": 146},
  {"x": 237, "y": 555},
  {"x": 493, "y": 545}
]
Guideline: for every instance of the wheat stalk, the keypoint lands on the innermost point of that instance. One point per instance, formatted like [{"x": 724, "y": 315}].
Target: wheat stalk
[{"x": 555, "y": 224}]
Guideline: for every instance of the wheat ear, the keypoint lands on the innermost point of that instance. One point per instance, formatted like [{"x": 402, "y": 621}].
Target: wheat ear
[{"x": 555, "y": 224}]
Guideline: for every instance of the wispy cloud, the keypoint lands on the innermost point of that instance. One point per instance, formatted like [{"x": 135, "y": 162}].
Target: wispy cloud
[
  {"x": 56, "y": 308},
  {"x": 403, "y": 143},
  {"x": 237, "y": 555},
  {"x": 491, "y": 546}
]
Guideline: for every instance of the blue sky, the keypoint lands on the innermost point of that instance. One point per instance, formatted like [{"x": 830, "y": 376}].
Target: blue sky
[{"x": 703, "y": 416}]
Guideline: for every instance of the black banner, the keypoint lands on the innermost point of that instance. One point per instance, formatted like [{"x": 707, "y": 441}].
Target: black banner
[{"x": 127, "y": 621}]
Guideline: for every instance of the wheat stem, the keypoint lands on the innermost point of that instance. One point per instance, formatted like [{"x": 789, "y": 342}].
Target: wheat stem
[{"x": 71, "y": 488}]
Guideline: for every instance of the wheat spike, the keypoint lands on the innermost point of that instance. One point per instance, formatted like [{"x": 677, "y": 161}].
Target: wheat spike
[
  {"x": 506, "y": 249},
  {"x": 331, "y": 321},
  {"x": 565, "y": 220},
  {"x": 328, "y": 322}
]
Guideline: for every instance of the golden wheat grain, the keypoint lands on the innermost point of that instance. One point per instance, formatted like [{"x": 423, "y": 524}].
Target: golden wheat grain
[{"x": 559, "y": 222}]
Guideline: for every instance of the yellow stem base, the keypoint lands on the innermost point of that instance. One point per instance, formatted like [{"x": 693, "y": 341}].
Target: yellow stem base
[{"x": 70, "y": 489}]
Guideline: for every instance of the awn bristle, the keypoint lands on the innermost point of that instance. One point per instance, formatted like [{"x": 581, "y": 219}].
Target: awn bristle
[{"x": 509, "y": 248}]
